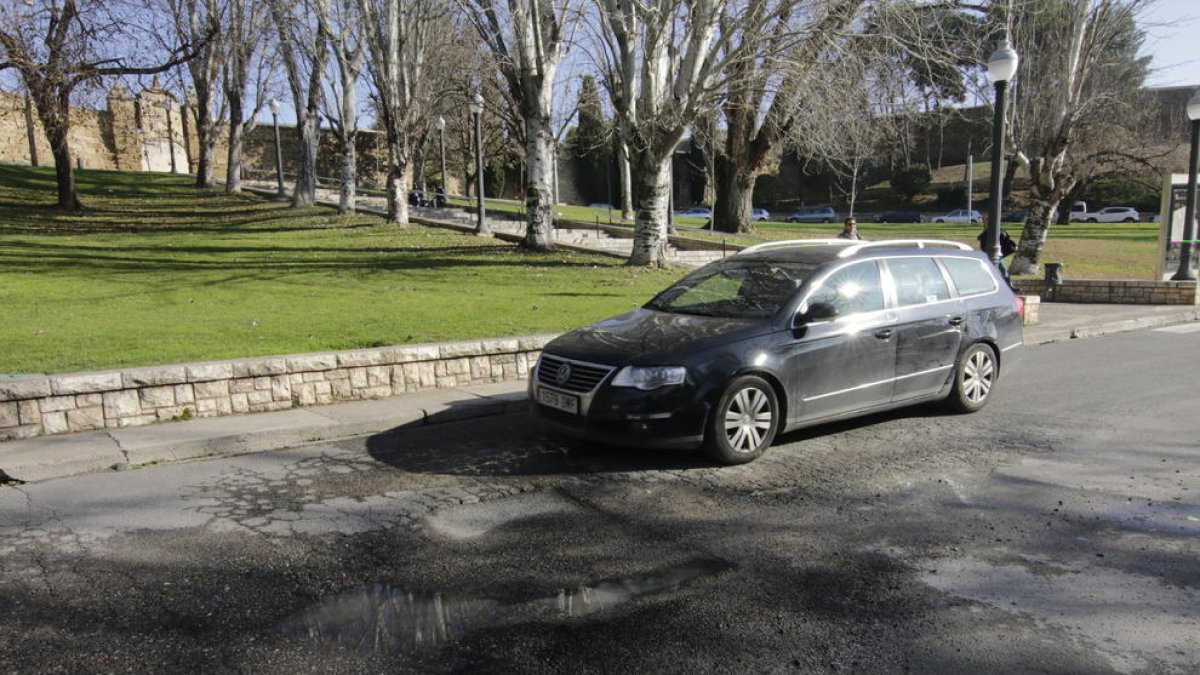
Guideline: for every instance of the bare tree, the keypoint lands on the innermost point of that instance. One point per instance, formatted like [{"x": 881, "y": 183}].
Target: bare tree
[
  {"x": 342, "y": 23},
  {"x": 199, "y": 22},
  {"x": 304, "y": 49},
  {"x": 528, "y": 39},
  {"x": 402, "y": 41},
  {"x": 244, "y": 34},
  {"x": 58, "y": 45},
  {"x": 1080, "y": 72},
  {"x": 661, "y": 61}
]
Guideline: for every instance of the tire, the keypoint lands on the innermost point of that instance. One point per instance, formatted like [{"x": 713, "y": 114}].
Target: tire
[
  {"x": 1091, "y": 220},
  {"x": 744, "y": 422},
  {"x": 974, "y": 378},
  {"x": 1127, "y": 220},
  {"x": 793, "y": 220},
  {"x": 826, "y": 221}
]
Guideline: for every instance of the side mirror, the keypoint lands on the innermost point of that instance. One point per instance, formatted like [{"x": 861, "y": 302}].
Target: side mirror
[{"x": 817, "y": 311}]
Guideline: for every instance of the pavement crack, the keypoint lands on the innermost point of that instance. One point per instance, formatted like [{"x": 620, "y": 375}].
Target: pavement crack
[{"x": 120, "y": 447}]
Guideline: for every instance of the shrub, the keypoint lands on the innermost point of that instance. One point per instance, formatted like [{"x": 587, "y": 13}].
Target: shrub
[
  {"x": 911, "y": 180},
  {"x": 953, "y": 197}
]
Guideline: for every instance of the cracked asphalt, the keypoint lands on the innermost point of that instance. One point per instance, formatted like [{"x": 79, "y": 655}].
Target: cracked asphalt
[{"x": 1056, "y": 531}]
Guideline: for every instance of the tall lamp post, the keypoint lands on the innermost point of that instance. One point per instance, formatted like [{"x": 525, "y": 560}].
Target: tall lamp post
[
  {"x": 1000, "y": 69},
  {"x": 1189, "y": 214},
  {"x": 476, "y": 107},
  {"x": 170, "y": 134},
  {"x": 280, "y": 195},
  {"x": 441, "y": 125}
]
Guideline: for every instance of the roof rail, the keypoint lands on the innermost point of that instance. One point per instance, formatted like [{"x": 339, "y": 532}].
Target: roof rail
[
  {"x": 899, "y": 243},
  {"x": 794, "y": 242}
]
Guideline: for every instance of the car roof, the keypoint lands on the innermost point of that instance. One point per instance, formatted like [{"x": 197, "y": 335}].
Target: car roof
[{"x": 818, "y": 251}]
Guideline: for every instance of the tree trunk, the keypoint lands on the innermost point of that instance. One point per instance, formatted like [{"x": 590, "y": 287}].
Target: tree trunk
[
  {"x": 206, "y": 139},
  {"x": 626, "y": 178},
  {"x": 734, "y": 196},
  {"x": 652, "y": 185},
  {"x": 233, "y": 168},
  {"x": 347, "y": 194},
  {"x": 68, "y": 196},
  {"x": 399, "y": 170},
  {"x": 1033, "y": 239},
  {"x": 539, "y": 187},
  {"x": 305, "y": 192}
]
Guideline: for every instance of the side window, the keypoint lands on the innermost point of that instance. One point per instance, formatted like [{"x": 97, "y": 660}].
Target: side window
[
  {"x": 918, "y": 281},
  {"x": 851, "y": 290},
  {"x": 970, "y": 276}
]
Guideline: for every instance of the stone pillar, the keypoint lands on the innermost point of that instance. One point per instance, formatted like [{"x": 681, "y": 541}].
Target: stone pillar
[{"x": 123, "y": 123}]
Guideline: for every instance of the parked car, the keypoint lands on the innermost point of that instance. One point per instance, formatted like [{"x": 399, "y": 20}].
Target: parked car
[
  {"x": 813, "y": 214},
  {"x": 1015, "y": 217},
  {"x": 960, "y": 216},
  {"x": 695, "y": 212},
  {"x": 1111, "y": 214},
  {"x": 785, "y": 335},
  {"x": 427, "y": 199},
  {"x": 898, "y": 217},
  {"x": 760, "y": 215}
]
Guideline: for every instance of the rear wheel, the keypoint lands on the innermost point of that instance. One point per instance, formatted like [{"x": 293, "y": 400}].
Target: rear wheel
[
  {"x": 1091, "y": 220},
  {"x": 744, "y": 423},
  {"x": 827, "y": 221},
  {"x": 974, "y": 378},
  {"x": 1128, "y": 220}
]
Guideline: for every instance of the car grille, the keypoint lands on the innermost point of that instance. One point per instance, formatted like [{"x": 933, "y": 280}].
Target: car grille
[{"x": 582, "y": 377}]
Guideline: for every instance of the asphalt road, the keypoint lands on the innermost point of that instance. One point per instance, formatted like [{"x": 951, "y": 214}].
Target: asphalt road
[{"x": 1058, "y": 530}]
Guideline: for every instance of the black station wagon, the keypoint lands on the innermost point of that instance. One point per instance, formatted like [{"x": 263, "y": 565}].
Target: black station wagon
[{"x": 785, "y": 335}]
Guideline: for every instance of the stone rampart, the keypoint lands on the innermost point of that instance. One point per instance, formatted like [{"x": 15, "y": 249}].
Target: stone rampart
[{"x": 74, "y": 402}]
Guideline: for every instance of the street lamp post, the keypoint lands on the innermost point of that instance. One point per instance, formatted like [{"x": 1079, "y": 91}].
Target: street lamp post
[
  {"x": 170, "y": 135},
  {"x": 1189, "y": 214},
  {"x": 441, "y": 125},
  {"x": 476, "y": 107},
  {"x": 280, "y": 195},
  {"x": 1000, "y": 69}
]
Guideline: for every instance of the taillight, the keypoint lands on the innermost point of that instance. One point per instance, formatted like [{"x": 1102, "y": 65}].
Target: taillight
[{"x": 1020, "y": 306}]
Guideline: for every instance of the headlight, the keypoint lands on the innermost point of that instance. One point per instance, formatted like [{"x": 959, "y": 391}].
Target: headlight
[{"x": 650, "y": 377}]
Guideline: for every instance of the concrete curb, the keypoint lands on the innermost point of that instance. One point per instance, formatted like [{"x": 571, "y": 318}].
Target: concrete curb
[{"x": 1036, "y": 335}]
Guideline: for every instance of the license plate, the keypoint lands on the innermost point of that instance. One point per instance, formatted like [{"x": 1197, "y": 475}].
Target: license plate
[{"x": 558, "y": 401}]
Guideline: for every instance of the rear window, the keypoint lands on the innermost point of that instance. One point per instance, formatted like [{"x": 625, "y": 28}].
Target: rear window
[{"x": 970, "y": 276}]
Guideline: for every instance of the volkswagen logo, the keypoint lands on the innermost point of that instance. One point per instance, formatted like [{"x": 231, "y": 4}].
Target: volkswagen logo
[{"x": 562, "y": 374}]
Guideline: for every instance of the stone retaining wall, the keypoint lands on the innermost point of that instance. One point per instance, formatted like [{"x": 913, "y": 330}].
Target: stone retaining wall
[
  {"x": 1115, "y": 291},
  {"x": 74, "y": 402}
]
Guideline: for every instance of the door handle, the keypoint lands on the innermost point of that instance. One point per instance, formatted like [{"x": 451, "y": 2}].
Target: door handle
[
  {"x": 956, "y": 321},
  {"x": 883, "y": 333}
]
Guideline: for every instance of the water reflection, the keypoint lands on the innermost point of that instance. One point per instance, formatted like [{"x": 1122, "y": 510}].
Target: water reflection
[{"x": 385, "y": 618}]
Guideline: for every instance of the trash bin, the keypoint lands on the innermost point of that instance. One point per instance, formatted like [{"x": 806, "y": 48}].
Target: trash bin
[{"x": 1054, "y": 275}]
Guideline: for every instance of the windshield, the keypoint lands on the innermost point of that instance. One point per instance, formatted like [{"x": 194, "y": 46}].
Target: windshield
[{"x": 737, "y": 289}]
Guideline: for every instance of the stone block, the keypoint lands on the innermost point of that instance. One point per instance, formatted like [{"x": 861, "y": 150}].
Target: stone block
[
  {"x": 376, "y": 392},
  {"x": 341, "y": 389},
  {"x": 58, "y": 403},
  {"x": 508, "y": 346},
  {"x": 296, "y": 378},
  {"x": 85, "y": 383},
  {"x": 260, "y": 367},
  {"x": 369, "y": 357},
  {"x": 55, "y": 423},
  {"x": 414, "y": 353},
  {"x": 10, "y": 416},
  {"x": 88, "y": 400},
  {"x": 480, "y": 367},
  {"x": 240, "y": 403},
  {"x": 150, "y": 377},
  {"x": 281, "y": 389},
  {"x": 124, "y": 403},
  {"x": 304, "y": 394},
  {"x": 258, "y": 397},
  {"x": 358, "y": 378},
  {"x": 244, "y": 386},
  {"x": 171, "y": 413},
  {"x": 262, "y": 383},
  {"x": 534, "y": 343},
  {"x": 137, "y": 421},
  {"x": 29, "y": 411},
  {"x": 446, "y": 382},
  {"x": 204, "y": 372},
  {"x": 338, "y": 374},
  {"x": 454, "y": 350},
  {"x": 184, "y": 393},
  {"x": 16, "y": 390},
  {"x": 323, "y": 388},
  {"x": 314, "y": 377},
  {"x": 300, "y": 364},
  {"x": 23, "y": 431},
  {"x": 158, "y": 397},
  {"x": 214, "y": 389},
  {"x": 378, "y": 376}
]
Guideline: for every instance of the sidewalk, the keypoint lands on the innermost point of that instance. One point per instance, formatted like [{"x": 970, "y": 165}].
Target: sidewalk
[{"x": 50, "y": 457}]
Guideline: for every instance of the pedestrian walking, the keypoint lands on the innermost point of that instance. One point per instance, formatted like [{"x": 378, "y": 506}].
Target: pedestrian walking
[{"x": 850, "y": 229}]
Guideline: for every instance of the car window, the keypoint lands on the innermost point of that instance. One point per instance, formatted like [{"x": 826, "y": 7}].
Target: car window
[
  {"x": 918, "y": 280},
  {"x": 970, "y": 276},
  {"x": 853, "y": 289},
  {"x": 744, "y": 289}
]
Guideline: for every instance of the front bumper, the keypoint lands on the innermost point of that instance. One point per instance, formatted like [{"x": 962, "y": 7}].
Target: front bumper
[{"x": 668, "y": 417}]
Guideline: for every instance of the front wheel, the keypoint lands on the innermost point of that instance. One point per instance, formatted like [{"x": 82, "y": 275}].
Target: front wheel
[
  {"x": 974, "y": 378},
  {"x": 744, "y": 422}
]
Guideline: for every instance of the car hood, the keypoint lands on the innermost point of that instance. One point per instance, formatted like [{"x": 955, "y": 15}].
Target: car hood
[{"x": 647, "y": 337}]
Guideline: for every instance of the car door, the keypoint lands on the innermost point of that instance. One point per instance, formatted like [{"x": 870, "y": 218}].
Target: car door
[
  {"x": 929, "y": 325},
  {"x": 844, "y": 363}
]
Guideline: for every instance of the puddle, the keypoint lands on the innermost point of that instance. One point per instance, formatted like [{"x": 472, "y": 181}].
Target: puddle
[{"x": 392, "y": 619}]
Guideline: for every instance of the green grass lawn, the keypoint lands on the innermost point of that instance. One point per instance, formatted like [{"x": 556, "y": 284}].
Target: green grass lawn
[{"x": 155, "y": 272}]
